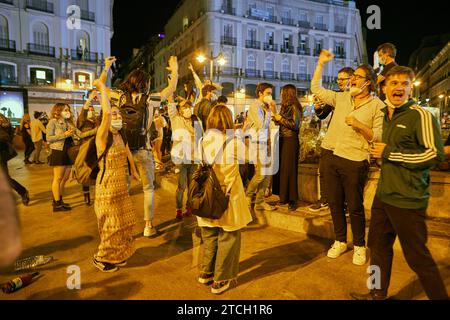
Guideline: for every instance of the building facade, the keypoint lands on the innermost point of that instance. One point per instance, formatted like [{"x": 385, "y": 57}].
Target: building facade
[
  {"x": 434, "y": 80},
  {"x": 49, "y": 53},
  {"x": 276, "y": 41}
]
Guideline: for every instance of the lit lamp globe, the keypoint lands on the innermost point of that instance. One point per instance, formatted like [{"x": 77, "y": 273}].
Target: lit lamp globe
[{"x": 201, "y": 58}]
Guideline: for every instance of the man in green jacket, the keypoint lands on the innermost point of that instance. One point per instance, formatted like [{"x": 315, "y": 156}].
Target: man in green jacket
[{"x": 411, "y": 146}]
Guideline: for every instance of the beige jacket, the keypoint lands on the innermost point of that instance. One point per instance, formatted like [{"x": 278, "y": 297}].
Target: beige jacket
[{"x": 57, "y": 128}]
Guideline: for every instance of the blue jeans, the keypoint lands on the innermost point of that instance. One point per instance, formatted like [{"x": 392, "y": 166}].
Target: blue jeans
[
  {"x": 184, "y": 179},
  {"x": 145, "y": 165}
]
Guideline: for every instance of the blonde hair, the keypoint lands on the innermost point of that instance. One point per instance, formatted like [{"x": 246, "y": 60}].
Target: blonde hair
[{"x": 220, "y": 118}]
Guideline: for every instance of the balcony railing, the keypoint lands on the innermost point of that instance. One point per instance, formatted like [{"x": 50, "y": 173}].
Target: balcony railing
[
  {"x": 41, "y": 50},
  {"x": 270, "y": 47},
  {"x": 273, "y": 19},
  {"x": 304, "y": 24},
  {"x": 303, "y": 51},
  {"x": 341, "y": 55},
  {"x": 7, "y": 45},
  {"x": 288, "y": 21},
  {"x": 340, "y": 29},
  {"x": 317, "y": 52},
  {"x": 41, "y": 83},
  {"x": 84, "y": 56},
  {"x": 321, "y": 26},
  {"x": 252, "y": 44},
  {"x": 228, "y": 10},
  {"x": 8, "y": 81},
  {"x": 6, "y": 1},
  {"x": 251, "y": 73},
  {"x": 87, "y": 15},
  {"x": 40, "y": 5},
  {"x": 270, "y": 75},
  {"x": 287, "y": 49},
  {"x": 303, "y": 77},
  {"x": 287, "y": 76},
  {"x": 229, "y": 71},
  {"x": 228, "y": 41}
]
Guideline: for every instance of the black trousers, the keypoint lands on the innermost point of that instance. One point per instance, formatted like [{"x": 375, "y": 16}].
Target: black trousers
[
  {"x": 387, "y": 222},
  {"x": 346, "y": 180},
  {"x": 21, "y": 190},
  {"x": 285, "y": 181},
  {"x": 325, "y": 156},
  {"x": 29, "y": 148}
]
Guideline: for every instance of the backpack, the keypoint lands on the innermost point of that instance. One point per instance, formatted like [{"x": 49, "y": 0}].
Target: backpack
[
  {"x": 135, "y": 120},
  {"x": 205, "y": 195},
  {"x": 85, "y": 168}
]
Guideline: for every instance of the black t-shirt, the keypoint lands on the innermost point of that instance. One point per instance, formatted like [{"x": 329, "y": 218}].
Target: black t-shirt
[
  {"x": 384, "y": 73},
  {"x": 447, "y": 143}
]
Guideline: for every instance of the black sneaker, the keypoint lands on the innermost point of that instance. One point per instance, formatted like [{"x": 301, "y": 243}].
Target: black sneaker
[
  {"x": 319, "y": 206},
  {"x": 220, "y": 287},
  {"x": 292, "y": 207},
  {"x": 206, "y": 278},
  {"x": 26, "y": 199},
  {"x": 105, "y": 266},
  {"x": 58, "y": 207},
  {"x": 65, "y": 205}
]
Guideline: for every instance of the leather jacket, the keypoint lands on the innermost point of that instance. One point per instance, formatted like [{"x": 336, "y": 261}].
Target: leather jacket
[{"x": 290, "y": 121}]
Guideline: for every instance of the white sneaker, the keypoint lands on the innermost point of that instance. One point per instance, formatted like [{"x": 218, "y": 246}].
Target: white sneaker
[
  {"x": 150, "y": 231},
  {"x": 265, "y": 206},
  {"x": 359, "y": 256},
  {"x": 337, "y": 249}
]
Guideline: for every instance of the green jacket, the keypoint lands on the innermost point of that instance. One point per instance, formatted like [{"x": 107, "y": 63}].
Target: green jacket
[{"x": 413, "y": 146}]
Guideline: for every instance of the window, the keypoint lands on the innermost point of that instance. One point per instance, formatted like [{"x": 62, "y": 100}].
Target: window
[
  {"x": 82, "y": 80},
  {"x": 83, "y": 4},
  {"x": 319, "y": 45},
  {"x": 270, "y": 37},
  {"x": 286, "y": 66},
  {"x": 319, "y": 19},
  {"x": 287, "y": 14},
  {"x": 228, "y": 30},
  {"x": 339, "y": 48},
  {"x": 271, "y": 11},
  {"x": 302, "y": 69},
  {"x": 185, "y": 23},
  {"x": 41, "y": 76},
  {"x": 252, "y": 34},
  {"x": 7, "y": 73},
  {"x": 4, "y": 30},
  {"x": 287, "y": 40},
  {"x": 303, "y": 42},
  {"x": 40, "y": 34},
  {"x": 268, "y": 65},
  {"x": 303, "y": 16},
  {"x": 227, "y": 4},
  {"x": 228, "y": 88},
  {"x": 251, "y": 62},
  {"x": 83, "y": 40}
]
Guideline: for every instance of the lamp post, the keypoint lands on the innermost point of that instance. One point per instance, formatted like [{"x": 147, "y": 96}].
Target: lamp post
[
  {"x": 220, "y": 60},
  {"x": 417, "y": 84}
]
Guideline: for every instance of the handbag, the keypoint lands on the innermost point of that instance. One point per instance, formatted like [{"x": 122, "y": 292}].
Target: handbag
[{"x": 205, "y": 195}]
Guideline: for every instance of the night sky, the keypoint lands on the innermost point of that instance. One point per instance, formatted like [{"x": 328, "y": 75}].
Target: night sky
[{"x": 403, "y": 23}]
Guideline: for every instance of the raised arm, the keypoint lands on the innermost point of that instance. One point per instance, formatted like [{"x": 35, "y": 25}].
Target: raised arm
[
  {"x": 327, "y": 96},
  {"x": 101, "y": 139},
  {"x": 108, "y": 63},
  {"x": 173, "y": 79}
]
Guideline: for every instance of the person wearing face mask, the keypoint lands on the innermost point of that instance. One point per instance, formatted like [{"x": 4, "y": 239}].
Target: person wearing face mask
[
  {"x": 203, "y": 108},
  {"x": 159, "y": 124},
  {"x": 186, "y": 133},
  {"x": 259, "y": 121},
  {"x": 386, "y": 57},
  {"x": 60, "y": 134},
  {"x": 113, "y": 206},
  {"x": 87, "y": 121},
  {"x": 410, "y": 147},
  {"x": 357, "y": 122}
]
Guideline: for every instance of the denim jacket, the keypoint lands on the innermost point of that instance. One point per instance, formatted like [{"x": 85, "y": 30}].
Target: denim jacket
[{"x": 55, "y": 133}]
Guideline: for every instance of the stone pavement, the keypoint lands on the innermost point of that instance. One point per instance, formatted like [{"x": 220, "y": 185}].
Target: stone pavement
[{"x": 276, "y": 264}]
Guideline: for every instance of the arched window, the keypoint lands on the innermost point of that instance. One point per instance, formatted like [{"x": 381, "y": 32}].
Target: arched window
[
  {"x": 83, "y": 40},
  {"x": 251, "y": 62},
  {"x": 268, "y": 65},
  {"x": 4, "y": 30},
  {"x": 286, "y": 66},
  {"x": 40, "y": 34}
]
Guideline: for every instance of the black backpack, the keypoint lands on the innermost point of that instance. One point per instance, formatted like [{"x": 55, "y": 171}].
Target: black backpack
[
  {"x": 135, "y": 120},
  {"x": 205, "y": 195}
]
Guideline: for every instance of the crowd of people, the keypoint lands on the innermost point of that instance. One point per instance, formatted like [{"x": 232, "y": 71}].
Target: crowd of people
[{"x": 373, "y": 116}]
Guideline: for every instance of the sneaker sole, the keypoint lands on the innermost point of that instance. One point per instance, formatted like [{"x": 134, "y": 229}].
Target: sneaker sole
[
  {"x": 335, "y": 257},
  {"x": 205, "y": 281},
  {"x": 318, "y": 210},
  {"x": 102, "y": 270},
  {"x": 224, "y": 288}
]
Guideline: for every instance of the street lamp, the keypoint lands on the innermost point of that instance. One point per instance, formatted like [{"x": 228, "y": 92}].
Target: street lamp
[{"x": 220, "y": 60}]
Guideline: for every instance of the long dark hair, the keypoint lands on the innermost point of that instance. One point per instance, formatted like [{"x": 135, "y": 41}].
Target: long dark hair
[
  {"x": 189, "y": 91},
  {"x": 289, "y": 98},
  {"x": 137, "y": 81}
]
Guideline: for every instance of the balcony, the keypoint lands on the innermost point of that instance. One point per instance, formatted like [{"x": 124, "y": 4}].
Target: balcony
[
  {"x": 270, "y": 47},
  {"x": 250, "y": 44},
  {"x": 272, "y": 19},
  {"x": 288, "y": 21},
  {"x": 228, "y": 41},
  {"x": 317, "y": 52},
  {"x": 303, "y": 77},
  {"x": 229, "y": 71},
  {"x": 251, "y": 73},
  {"x": 87, "y": 15},
  {"x": 228, "y": 10},
  {"x": 270, "y": 75},
  {"x": 287, "y": 76},
  {"x": 304, "y": 24},
  {"x": 321, "y": 26},
  {"x": 40, "y": 5},
  {"x": 340, "y": 29},
  {"x": 301, "y": 51},
  {"x": 7, "y": 1},
  {"x": 78, "y": 55},
  {"x": 12, "y": 81},
  {"x": 341, "y": 55},
  {"x": 41, "y": 50},
  {"x": 7, "y": 45},
  {"x": 287, "y": 49},
  {"x": 329, "y": 79}
]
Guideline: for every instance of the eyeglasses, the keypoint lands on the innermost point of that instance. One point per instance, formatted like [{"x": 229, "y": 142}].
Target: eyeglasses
[
  {"x": 358, "y": 77},
  {"x": 343, "y": 79}
]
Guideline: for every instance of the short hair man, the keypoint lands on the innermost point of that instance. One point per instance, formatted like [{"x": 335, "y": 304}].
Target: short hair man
[
  {"x": 37, "y": 130},
  {"x": 411, "y": 146},
  {"x": 322, "y": 112},
  {"x": 357, "y": 121},
  {"x": 203, "y": 108},
  {"x": 386, "y": 54}
]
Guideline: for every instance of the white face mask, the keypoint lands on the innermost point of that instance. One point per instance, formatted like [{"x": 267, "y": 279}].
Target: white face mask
[
  {"x": 65, "y": 115},
  {"x": 354, "y": 91},
  {"x": 214, "y": 97},
  {"x": 268, "y": 99},
  {"x": 90, "y": 115},
  {"x": 116, "y": 124},
  {"x": 187, "y": 113}
]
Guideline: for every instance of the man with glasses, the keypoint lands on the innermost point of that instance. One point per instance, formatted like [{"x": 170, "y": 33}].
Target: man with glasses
[
  {"x": 357, "y": 122},
  {"x": 322, "y": 112}
]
